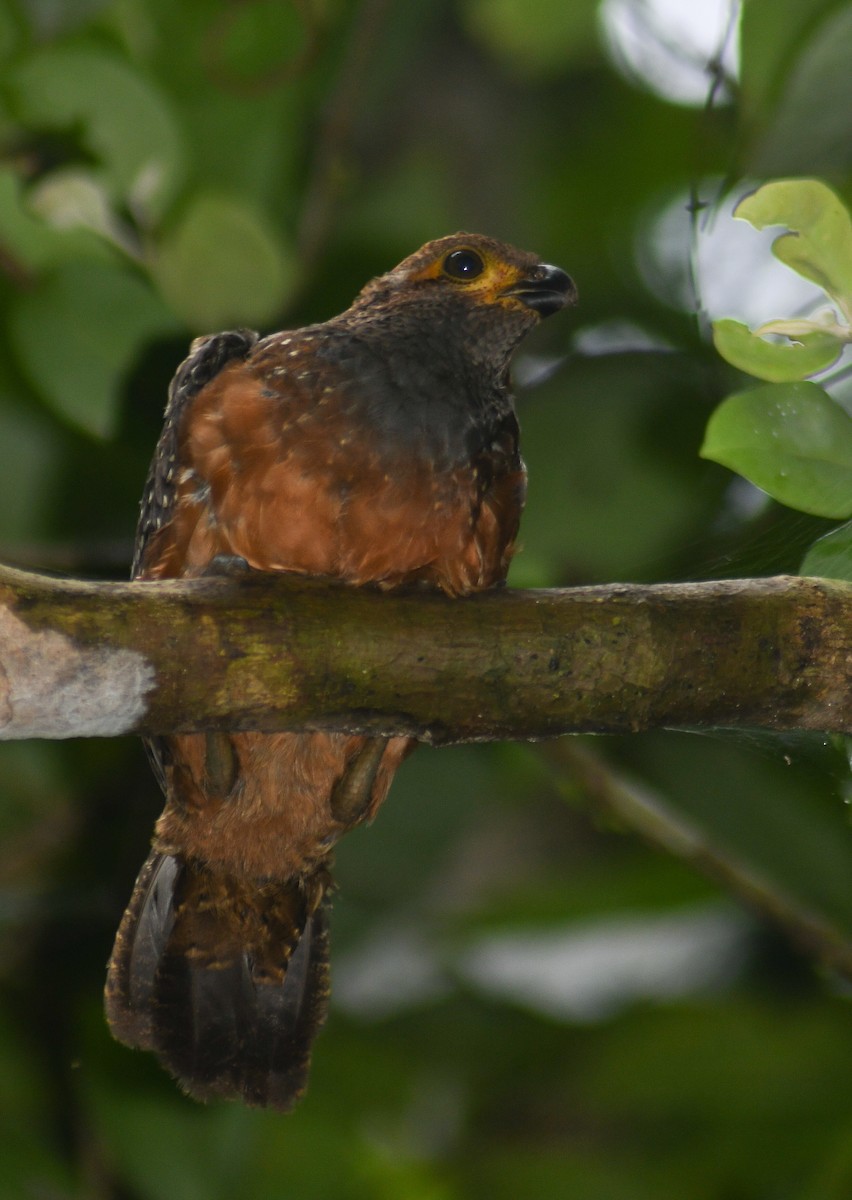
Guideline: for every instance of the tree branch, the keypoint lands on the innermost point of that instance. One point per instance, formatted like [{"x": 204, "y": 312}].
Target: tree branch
[
  {"x": 276, "y": 652},
  {"x": 630, "y": 804}
]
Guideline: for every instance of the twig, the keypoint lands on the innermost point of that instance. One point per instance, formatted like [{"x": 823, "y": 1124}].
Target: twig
[{"x": 638, "y": 809}]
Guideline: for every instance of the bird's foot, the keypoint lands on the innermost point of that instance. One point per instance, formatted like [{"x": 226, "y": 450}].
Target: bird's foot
[{"x": 232, "y": 566}]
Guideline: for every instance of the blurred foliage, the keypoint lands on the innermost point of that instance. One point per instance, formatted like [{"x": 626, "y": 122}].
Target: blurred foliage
[{"x": 167, "y": 168}]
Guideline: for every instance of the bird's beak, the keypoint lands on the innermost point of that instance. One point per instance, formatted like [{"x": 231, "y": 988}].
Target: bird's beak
[{"x": 546, "y": 290}]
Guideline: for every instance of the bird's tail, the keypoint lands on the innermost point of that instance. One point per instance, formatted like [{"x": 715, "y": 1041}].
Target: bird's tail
[{"x": 225, "y": 981}]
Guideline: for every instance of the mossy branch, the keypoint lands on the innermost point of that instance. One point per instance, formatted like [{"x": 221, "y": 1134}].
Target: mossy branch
[{"x": 276, "y": 652}]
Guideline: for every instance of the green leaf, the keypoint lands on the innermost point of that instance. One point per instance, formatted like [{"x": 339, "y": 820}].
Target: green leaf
[
  {"x": 819, "y": 245},
  {"x": 831, "y": 556},
  {"x": 264, "y": 41},
  {"x": 124, "y": 122},
  {"x": 30, "y": 242},
  {"x": 9, "y": 33},
  {"x": 809, "y": 131},
  {"x": 52, "y": 18},
  {"x": 535, "y": 37},
  {"x": 31, "y": 460},
  {"x": 77, "y": 334},
  {"x": 72, "y": 198},
  {"x": 775, "y": 361},
  {"x": 222, "y": 265},
  {"x": 772, "y": 34},
  {"x": 792, "y": 441}
]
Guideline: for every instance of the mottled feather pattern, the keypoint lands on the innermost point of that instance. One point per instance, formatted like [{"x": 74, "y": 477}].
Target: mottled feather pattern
[{"x": 225, "y": 987}]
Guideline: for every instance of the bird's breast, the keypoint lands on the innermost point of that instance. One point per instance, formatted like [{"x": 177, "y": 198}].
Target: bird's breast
[{"x": 347, "y": 463}]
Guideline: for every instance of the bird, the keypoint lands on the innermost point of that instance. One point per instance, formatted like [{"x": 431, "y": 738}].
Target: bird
[{"x": 379, "y": 449}]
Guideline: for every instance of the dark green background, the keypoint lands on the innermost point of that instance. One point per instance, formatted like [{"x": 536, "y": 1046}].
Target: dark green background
[{"x": 255, "y": 163}]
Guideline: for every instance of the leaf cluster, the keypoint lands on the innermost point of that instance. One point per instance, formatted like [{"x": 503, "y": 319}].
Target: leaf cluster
[{"x": 792, "y": 437}]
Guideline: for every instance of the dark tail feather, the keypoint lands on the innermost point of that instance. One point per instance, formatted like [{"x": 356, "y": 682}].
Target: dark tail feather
[{"x": 225, "y": 981}]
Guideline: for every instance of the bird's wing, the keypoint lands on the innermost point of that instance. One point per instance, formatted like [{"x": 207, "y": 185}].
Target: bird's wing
[{"x": 207, "y": 358}]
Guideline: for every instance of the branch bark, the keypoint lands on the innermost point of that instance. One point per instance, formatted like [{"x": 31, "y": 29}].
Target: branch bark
[{"x": 276, "y": 652}]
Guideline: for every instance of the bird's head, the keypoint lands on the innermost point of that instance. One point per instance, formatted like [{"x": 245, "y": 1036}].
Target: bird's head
[{"x": 468, "y": 277}]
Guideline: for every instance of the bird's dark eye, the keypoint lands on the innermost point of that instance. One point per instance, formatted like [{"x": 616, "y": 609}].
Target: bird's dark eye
[{"x": 463, "y": 264}]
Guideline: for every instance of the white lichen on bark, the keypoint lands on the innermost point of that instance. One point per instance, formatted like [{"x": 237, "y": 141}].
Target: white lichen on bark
[{"x": 50, "y": 686}]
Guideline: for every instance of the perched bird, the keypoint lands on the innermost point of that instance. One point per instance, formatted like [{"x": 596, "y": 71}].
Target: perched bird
[{"x": 380, "y": 447}]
